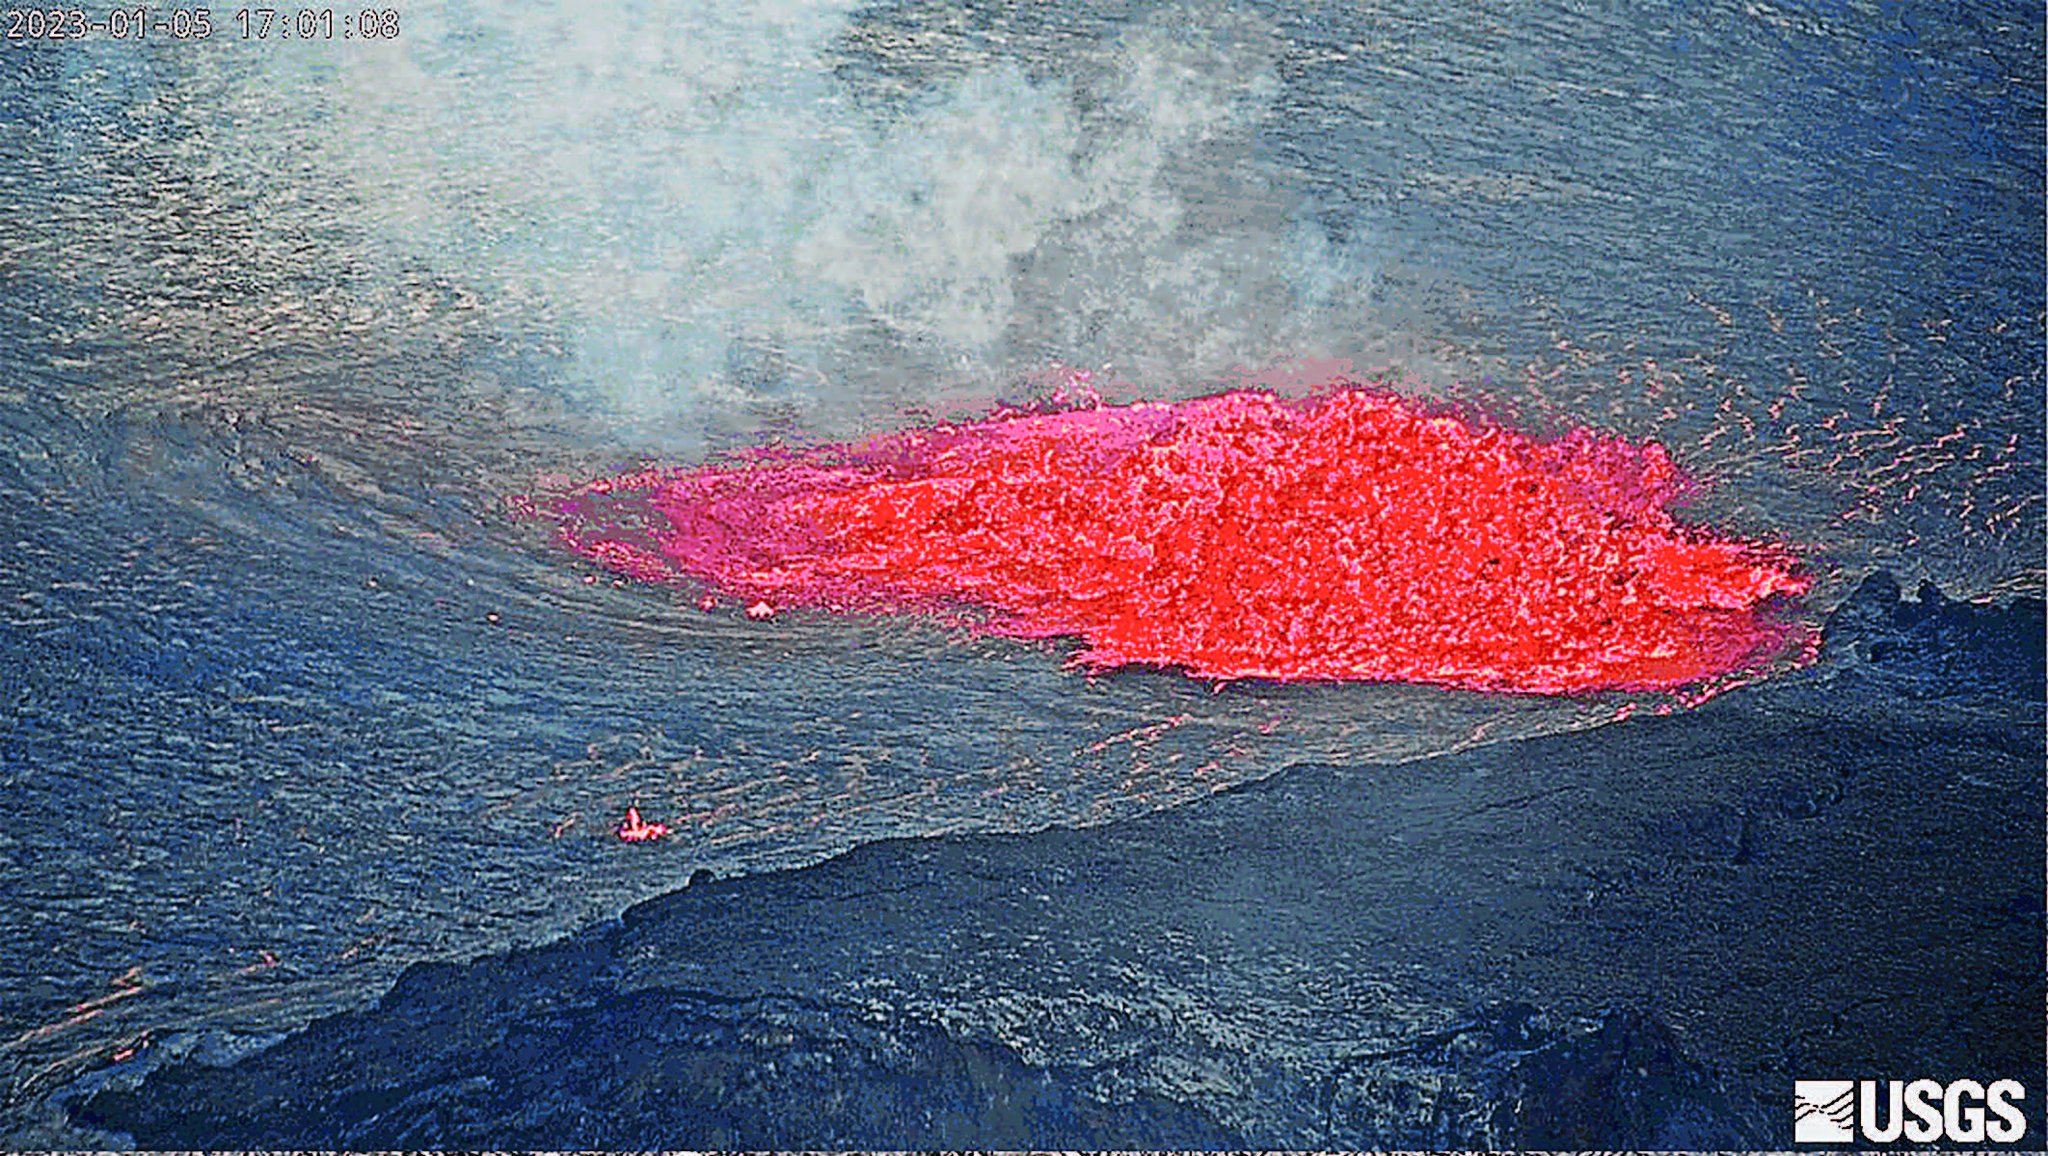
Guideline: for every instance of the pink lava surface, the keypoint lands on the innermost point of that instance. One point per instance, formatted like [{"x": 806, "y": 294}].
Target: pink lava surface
[{"x": 1353, "y": 535}]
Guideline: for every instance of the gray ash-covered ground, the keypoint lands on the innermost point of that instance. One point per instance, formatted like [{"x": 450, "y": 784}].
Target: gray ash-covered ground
[{"x": 1633, "y": 938}]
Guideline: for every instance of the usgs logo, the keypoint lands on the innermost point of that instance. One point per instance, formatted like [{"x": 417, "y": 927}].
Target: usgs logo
[{"x": 1959, "y": 1112}]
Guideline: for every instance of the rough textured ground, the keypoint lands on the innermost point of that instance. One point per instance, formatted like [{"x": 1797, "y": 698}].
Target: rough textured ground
[{"x": 1637, "y": 937}]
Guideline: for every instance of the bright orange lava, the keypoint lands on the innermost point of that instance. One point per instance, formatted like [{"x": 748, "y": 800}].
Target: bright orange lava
[{"x": 1355, "y": 535}]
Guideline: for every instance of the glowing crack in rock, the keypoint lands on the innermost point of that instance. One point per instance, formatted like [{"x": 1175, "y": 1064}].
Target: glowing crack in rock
[
  {"x": 636, "y": 830},
  {"x": 1354, "y": 535}
]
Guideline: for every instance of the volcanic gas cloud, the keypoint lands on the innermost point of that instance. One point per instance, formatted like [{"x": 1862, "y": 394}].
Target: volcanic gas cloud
[{"x": 1354, "y": 535}]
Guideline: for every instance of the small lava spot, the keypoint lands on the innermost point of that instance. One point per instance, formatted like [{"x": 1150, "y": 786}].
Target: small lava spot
[{"x": 636, "y": 830}]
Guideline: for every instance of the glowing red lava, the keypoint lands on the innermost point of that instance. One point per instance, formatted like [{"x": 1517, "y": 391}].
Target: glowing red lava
[
  {"x": 635, "y": 830},
  {"x": 1353, "y": 535}
]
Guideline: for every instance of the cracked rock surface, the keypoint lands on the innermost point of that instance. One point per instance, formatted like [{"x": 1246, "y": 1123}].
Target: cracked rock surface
[{"x": 1631, "y": 937}]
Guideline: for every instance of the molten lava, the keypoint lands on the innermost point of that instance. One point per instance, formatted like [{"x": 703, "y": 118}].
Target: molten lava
[
  {"x": 636, "y": 830},
  {"x": 1353, "y": 535}
]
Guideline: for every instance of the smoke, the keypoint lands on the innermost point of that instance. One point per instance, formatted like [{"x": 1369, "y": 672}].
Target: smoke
[{"x": 724, "y": 226}]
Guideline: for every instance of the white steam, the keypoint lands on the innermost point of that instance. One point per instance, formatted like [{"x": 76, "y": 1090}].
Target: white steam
[{"x": 715, "y": 220}]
